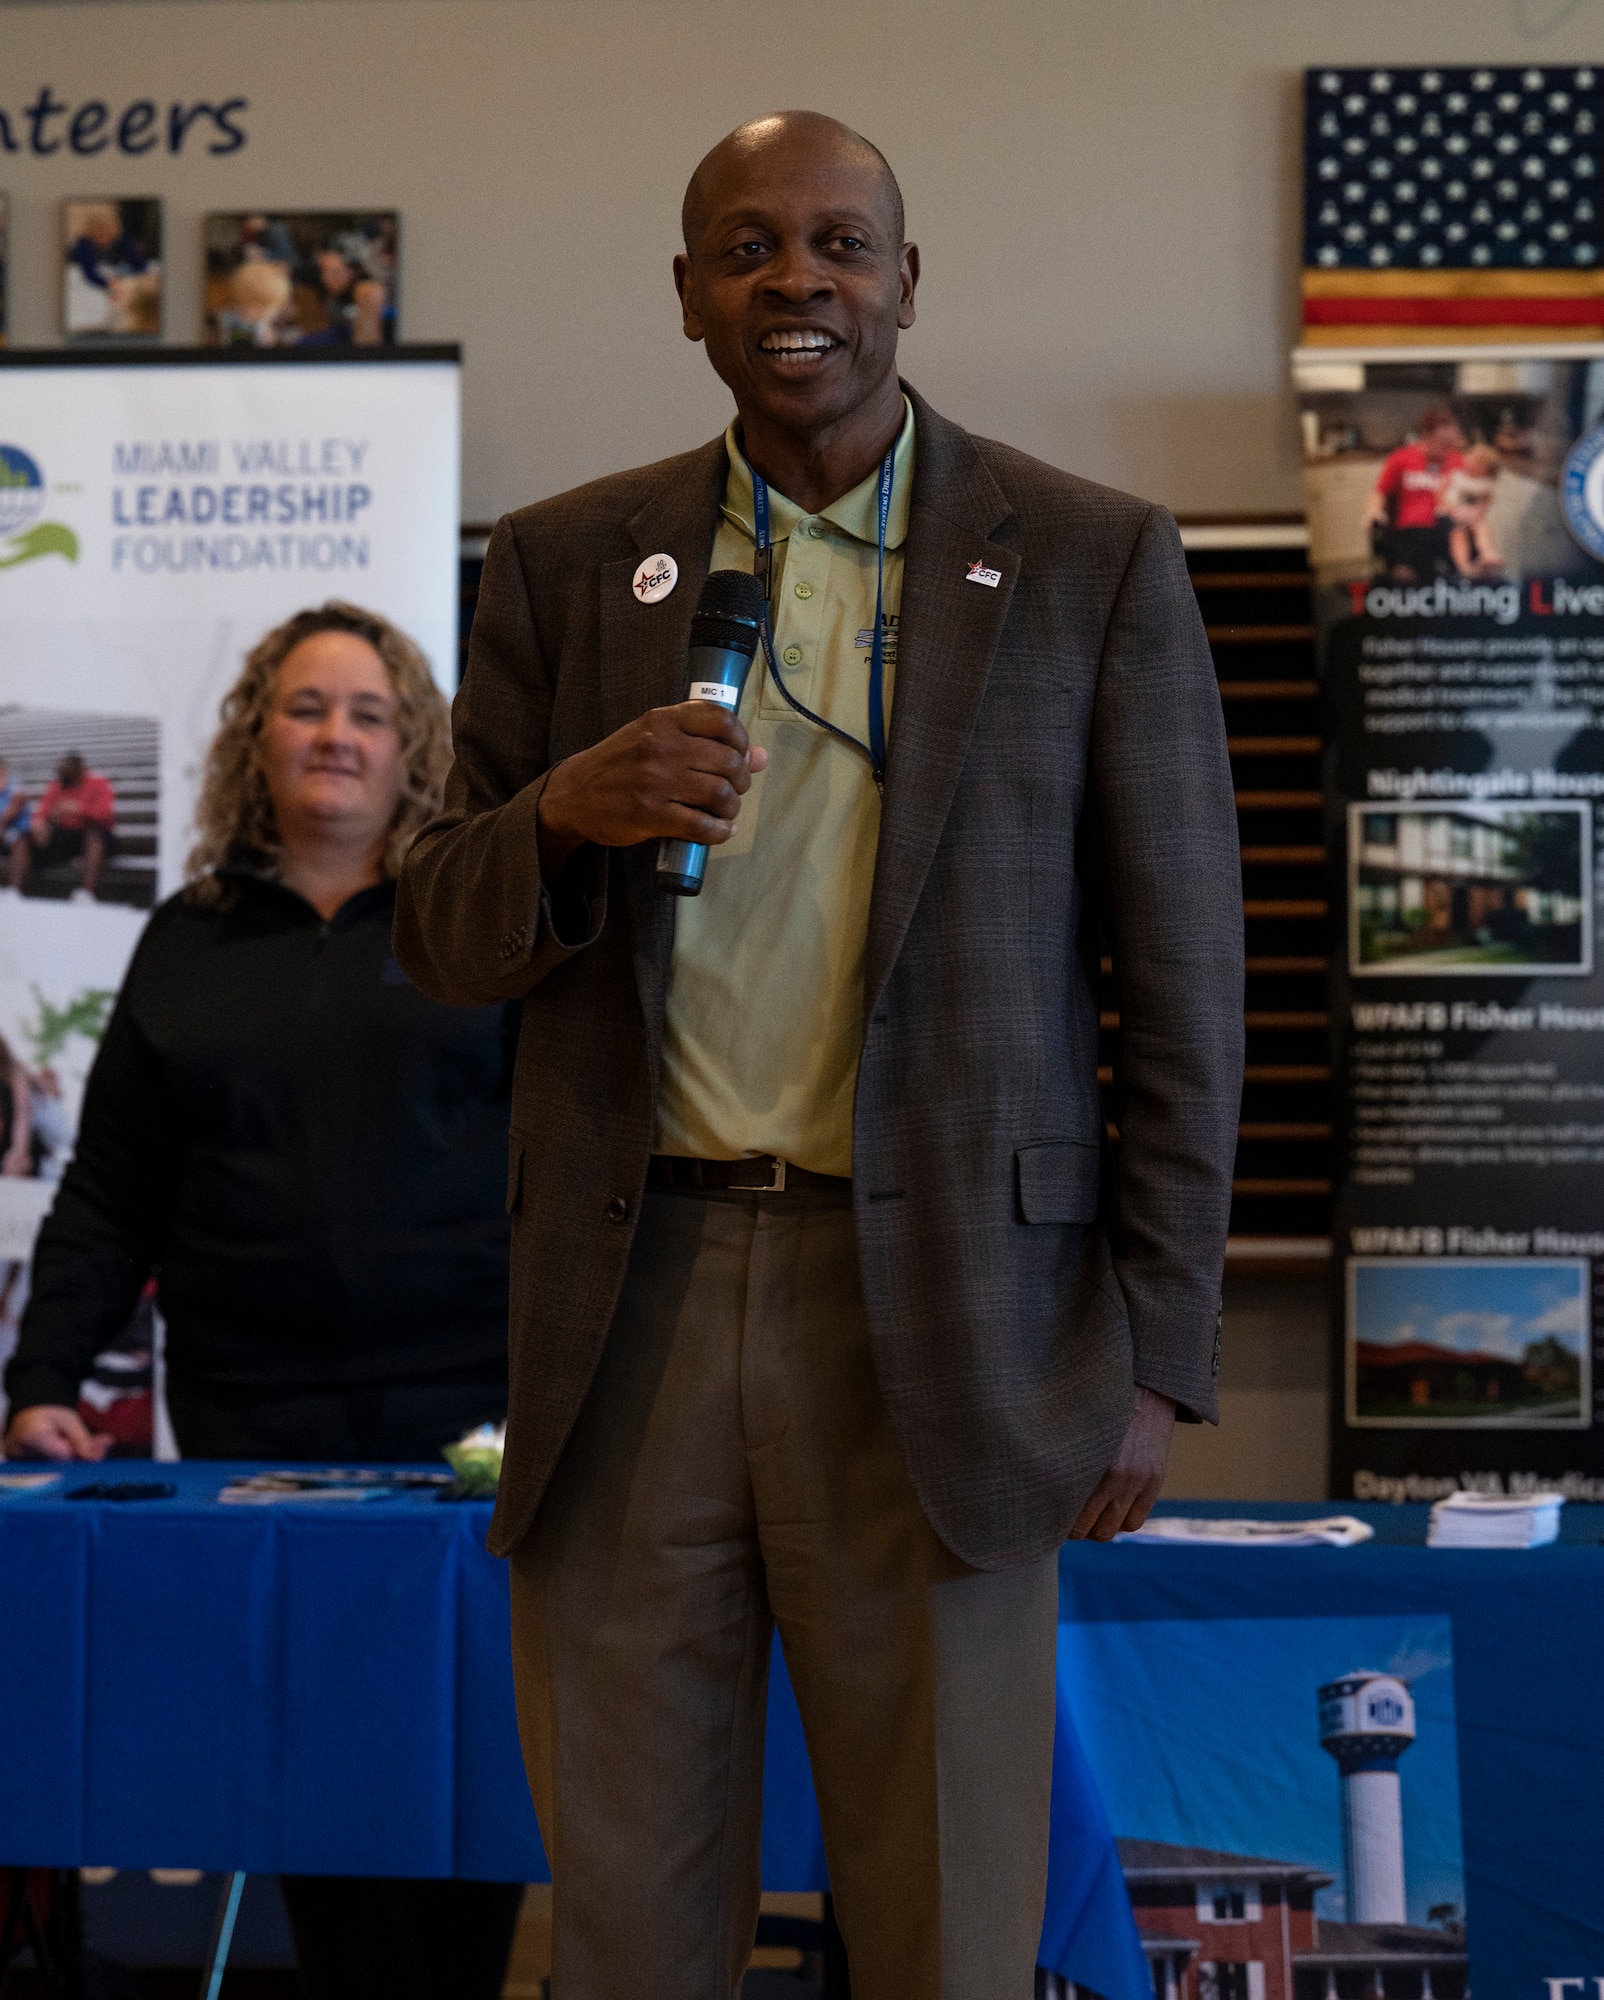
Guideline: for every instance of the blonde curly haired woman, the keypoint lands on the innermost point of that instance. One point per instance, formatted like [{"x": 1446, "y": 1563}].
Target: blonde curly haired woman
[{"x": 311, "y": 1158}]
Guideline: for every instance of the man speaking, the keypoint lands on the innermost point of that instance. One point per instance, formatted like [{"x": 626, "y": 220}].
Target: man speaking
[{"x": 831, "y": 1309}]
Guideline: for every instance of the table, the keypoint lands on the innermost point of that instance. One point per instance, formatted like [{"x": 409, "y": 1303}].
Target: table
[{"x": 325, "y": 1688}]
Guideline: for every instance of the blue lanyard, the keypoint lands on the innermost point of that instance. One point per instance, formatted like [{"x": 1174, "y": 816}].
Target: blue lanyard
[{"x": 875, "y": 748}]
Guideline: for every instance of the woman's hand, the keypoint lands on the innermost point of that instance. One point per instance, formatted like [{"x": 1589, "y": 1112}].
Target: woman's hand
[{"x": 51, "y": 1430}]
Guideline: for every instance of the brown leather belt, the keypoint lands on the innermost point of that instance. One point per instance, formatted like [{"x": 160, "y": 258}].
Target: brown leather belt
[{"x": 763, "y": 1175}]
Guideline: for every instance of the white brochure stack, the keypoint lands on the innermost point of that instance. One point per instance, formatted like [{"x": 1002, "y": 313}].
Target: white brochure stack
[{"x": 1493, "y": 1521}]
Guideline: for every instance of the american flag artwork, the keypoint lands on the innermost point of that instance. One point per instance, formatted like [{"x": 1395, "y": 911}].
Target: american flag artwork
[{"x": 1449, "y": 205}]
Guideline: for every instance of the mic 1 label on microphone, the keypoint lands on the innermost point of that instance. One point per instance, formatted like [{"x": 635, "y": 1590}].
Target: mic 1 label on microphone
[{"x": 719, "y": 691}]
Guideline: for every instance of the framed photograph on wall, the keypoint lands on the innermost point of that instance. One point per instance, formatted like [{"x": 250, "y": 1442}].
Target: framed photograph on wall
[
  {"x": 111, "y": 268},
  {"x": 302, "y": 278}
]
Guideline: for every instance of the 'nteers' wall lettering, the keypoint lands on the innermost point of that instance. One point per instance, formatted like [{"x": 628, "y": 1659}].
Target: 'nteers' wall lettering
[{"x": 48, "y": 124}]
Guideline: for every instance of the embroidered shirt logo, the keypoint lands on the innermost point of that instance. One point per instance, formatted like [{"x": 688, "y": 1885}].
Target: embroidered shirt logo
[{"x": 864, "y": 640}]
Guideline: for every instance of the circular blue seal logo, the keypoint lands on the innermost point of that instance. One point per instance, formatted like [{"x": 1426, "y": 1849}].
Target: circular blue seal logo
[
  {"x": 1581, "y": 491},
  {"x": 22, "y": 490}
]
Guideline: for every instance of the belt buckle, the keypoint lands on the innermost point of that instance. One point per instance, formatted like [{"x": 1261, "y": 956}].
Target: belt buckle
[{"x": 776, "y": 1181}]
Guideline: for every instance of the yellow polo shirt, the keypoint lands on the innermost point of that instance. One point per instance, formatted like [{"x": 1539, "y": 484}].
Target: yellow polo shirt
[{"x": 765, "y": 989}]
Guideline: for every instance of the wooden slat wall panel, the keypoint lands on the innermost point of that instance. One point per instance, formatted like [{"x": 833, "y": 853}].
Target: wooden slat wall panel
[{"x": 1257, "y": 611}]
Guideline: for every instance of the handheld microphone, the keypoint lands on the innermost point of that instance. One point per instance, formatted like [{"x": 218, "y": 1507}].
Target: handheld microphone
[{"x": 724, "y": 636}]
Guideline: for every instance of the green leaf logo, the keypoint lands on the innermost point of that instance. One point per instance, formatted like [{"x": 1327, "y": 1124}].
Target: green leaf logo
[{"x": 47, "y": 538}]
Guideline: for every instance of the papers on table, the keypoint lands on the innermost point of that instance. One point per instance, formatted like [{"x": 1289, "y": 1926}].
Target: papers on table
[
  {"x": 1493, "y": 1521},
  {"x": 1333, "y": 1531},
  {"x": 26, "y": 1482},
  {"x": 277, "y": 1489}
]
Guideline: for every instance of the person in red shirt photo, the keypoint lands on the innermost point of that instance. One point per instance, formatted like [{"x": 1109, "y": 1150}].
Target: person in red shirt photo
[
  {"x": 74, "y": 822},
  {"x": 1406, "y": 505}
]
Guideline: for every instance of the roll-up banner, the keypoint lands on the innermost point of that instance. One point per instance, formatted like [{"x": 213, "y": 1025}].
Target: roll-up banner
[
  {"x": 158, "y": 513},
  {"x": 1456, "y": 521}
]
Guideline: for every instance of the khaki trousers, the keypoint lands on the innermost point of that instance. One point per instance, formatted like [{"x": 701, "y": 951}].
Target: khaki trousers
[{"x": 733, "y": 1470}]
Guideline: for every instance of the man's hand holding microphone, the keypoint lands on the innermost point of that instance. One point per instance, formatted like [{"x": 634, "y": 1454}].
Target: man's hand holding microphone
[{"x": 676, "y": 775}]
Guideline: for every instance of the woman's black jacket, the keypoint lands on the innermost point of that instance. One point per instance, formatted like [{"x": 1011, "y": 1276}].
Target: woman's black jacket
[{"x": 308, "y": 1154}]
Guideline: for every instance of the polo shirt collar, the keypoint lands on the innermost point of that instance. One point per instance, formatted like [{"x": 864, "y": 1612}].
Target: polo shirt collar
[{"x": 856, "y": 513}]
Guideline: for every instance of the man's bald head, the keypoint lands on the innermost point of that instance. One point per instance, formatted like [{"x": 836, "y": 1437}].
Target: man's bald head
[
  {"x": 809, "y": 134},
  {"x": 795, "y": 274}
]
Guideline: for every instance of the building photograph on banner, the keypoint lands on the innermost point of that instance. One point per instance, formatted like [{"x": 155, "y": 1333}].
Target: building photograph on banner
[
  {"x": 1317, "y": 1836},
  {"x": 1478, "y": 1343},
  {"x": 1472, "y": 889},
  {"x": 157, "y": 518}
]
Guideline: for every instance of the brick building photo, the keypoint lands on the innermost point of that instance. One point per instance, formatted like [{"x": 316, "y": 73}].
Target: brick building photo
[
  {"x": 1217, "y": 1926},
  {"x": 1462, "y": 888}
]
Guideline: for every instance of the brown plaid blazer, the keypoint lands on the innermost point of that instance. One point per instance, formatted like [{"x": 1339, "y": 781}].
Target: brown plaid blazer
[{"x": 1057, "y": 774}]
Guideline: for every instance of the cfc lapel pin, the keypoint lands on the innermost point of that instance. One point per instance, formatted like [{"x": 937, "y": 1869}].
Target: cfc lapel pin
[
  {"x": 655, "y": 578},
  {"x": 978, "y": 573}
]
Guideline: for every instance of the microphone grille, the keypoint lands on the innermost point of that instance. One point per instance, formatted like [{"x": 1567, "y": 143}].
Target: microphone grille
[
  {"x": 729, "y": 613},
  {"x": 731, "y": 593}
]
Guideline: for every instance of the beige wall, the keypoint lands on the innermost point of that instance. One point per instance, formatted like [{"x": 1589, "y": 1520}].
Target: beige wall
[{"x": 1105, "y": 192}]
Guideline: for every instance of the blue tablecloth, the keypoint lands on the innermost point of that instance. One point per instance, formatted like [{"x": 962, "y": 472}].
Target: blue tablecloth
[{"x": 325, "y": 1688}]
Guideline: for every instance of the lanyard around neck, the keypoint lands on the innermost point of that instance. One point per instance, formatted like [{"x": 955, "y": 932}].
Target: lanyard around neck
[{"x": 875, "y": 748}]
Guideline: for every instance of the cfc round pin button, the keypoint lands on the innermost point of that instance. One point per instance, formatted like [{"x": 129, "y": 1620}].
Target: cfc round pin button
[{"x": 655, "y": 578}]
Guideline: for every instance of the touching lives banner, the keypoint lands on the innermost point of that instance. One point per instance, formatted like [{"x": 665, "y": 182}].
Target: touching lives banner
[
  {"x": 158, "y": 514},
  {"x": 1456, "y": 516}
]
